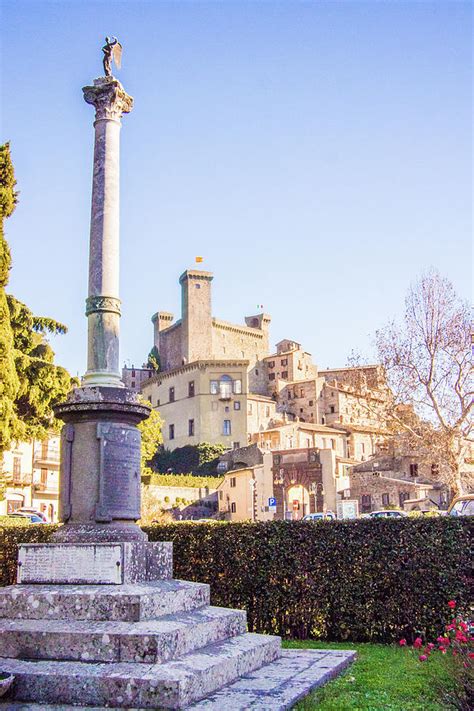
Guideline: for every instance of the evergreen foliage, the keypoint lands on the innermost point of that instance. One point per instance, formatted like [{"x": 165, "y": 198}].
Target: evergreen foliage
[
  {"x": 200, "y": 459},
  {"x": 154, "y": 360},
  {"x": 151, "y": 436},
  {"x": 9, "y": 382},
  {"x": 30, "y": 382},
  {"x": 152, "y": 478}
]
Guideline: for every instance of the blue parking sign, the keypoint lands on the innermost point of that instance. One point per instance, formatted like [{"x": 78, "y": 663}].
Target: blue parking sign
[{"x": 272, "y": 501}]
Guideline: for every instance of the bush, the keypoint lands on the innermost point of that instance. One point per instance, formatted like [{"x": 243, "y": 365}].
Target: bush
[
  {"x": 184, "y": 480},
  {"x": 365, "y": 580},
  {"x": 200, "y": 459}
]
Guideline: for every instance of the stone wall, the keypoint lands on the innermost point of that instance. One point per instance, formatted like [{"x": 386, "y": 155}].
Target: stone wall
[{"x": 368, "y": 484}]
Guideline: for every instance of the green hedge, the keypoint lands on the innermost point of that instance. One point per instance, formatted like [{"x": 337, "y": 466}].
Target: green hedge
[
  {"x": 364, "y": 580},
  {"x": 186, "y": 480}
]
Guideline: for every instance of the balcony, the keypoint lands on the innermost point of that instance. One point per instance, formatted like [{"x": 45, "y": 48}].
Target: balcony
[
  {"x": 18, "y": 478},
  {"x": 46, "y": 457},
  {"x": 42, "y": 487}
]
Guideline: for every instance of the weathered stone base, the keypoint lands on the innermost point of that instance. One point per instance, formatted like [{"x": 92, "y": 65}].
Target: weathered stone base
[
  {"x": 149, "y": 645},
  {"x": 94, "y": 563}
]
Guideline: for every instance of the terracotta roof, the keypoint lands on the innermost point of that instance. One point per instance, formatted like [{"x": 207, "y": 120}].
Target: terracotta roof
[
  {"x": 360, "y": 428},
  {"x": 304, "y": 426}
]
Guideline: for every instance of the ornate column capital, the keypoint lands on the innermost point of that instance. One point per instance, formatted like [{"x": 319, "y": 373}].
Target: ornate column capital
[{"x": 109, "y": 98}]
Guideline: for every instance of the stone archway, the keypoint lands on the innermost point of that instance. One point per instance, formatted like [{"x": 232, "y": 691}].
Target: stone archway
[{"x": 297, "y": 501}]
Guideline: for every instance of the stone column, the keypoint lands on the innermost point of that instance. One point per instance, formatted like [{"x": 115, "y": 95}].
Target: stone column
[
  {"x": 100, "y": 446},
  {"x": 103, "y": 303}
]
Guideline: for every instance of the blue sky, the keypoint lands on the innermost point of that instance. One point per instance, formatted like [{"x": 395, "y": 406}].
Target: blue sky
[{"x": 318, "y": 155}]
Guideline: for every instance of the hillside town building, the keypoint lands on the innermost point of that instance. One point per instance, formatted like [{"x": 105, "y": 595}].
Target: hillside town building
[{"x": 31, "y": 474}]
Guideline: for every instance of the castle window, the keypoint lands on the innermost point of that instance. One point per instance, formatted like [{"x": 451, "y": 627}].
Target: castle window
[
  {"x": 198, "y": 286},
  {"x": 171, "y": 394},
  {"x": 366, "y": 502},
  {"x": 233, "y": 508},
  {"x": 236, "y": 405},
  {"x": 235, "y": 445},
  {"x": 385, "y": 499},
  {"x": 226, "y": 428},
  {"x": 271, "y": 364},
  {"x": 191, "y": 388},
  {"x": 191, "y": 428},
  {"x": 171, "y": 432},
  {"x": 311, "y": 403},
  {"x": 238, "y": 386},
  {"x": 332, "y": 409},
  {"x": 271, "y": 376},
  {"x": 225, "y": 387},
  {"x": 284, "y": 375},
  {"x": 413, "y": 470},
  {"x": 250, "y": 409},
  {"x": 233, "y": 482},
  {"x": 284, "y": 361},
  {"x": 214, "y": 387},
  {"x": 256, "y": 371},
  {"x": 133, "y": 373},
  {"x": 133, "y": 383}
]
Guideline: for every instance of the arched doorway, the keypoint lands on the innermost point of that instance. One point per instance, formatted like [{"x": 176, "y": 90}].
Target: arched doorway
[{"x": 297, "y": 502}]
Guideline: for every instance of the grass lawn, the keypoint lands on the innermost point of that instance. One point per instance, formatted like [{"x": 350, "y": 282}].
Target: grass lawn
[{"x": 383, "y": 677}]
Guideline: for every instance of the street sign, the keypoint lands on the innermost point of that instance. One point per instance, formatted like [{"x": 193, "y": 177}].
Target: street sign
[
  {"x": 272, "y": 504},
  {"x": 349, "y": 508}
]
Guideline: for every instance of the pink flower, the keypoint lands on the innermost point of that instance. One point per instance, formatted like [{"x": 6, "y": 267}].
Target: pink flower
[
  {"x": 460, "y": 637},
  {"x": 402, "y": 643},
  {"x": 443, "y": 650},
  {"x": 422, "y": 657},
  {"x": 430, "y": 646},
  {"x": 443, "y": 640},
  {"x": 452, "y": 604},
  {"x": 418, "y": 643},
  {"x": 471, "y": 655}
]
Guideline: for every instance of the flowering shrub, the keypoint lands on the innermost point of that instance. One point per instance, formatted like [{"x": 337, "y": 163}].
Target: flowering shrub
[{"x": 457, "y": 640}]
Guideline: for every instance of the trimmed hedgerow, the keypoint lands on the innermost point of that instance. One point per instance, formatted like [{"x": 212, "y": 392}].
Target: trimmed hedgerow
[{"x": 364, "y": 580}]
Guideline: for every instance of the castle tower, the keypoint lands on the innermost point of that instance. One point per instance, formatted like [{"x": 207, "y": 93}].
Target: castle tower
[
  {"x": 196, "y": 315},
  {"x": 160, "y": 320}
]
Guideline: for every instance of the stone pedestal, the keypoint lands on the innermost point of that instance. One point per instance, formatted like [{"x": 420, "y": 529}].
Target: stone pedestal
[{"x": 100, "y": 465}]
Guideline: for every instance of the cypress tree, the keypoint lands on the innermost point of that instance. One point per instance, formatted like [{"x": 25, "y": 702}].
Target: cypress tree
[{"x": 9, "y": 382}]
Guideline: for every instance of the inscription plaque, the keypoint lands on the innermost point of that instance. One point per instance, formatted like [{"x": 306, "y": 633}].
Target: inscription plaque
[
  {"x": 119, "y": 476},
  {"x": 77, "y": 563}
]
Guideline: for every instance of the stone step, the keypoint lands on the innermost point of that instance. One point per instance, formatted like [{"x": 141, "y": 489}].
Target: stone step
[
  {"x": 147, "y": 641},
  {"x": 280, "y": 684},
  {"x": 171, "y": 685},
  {"x": 129, "y": 603}
]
